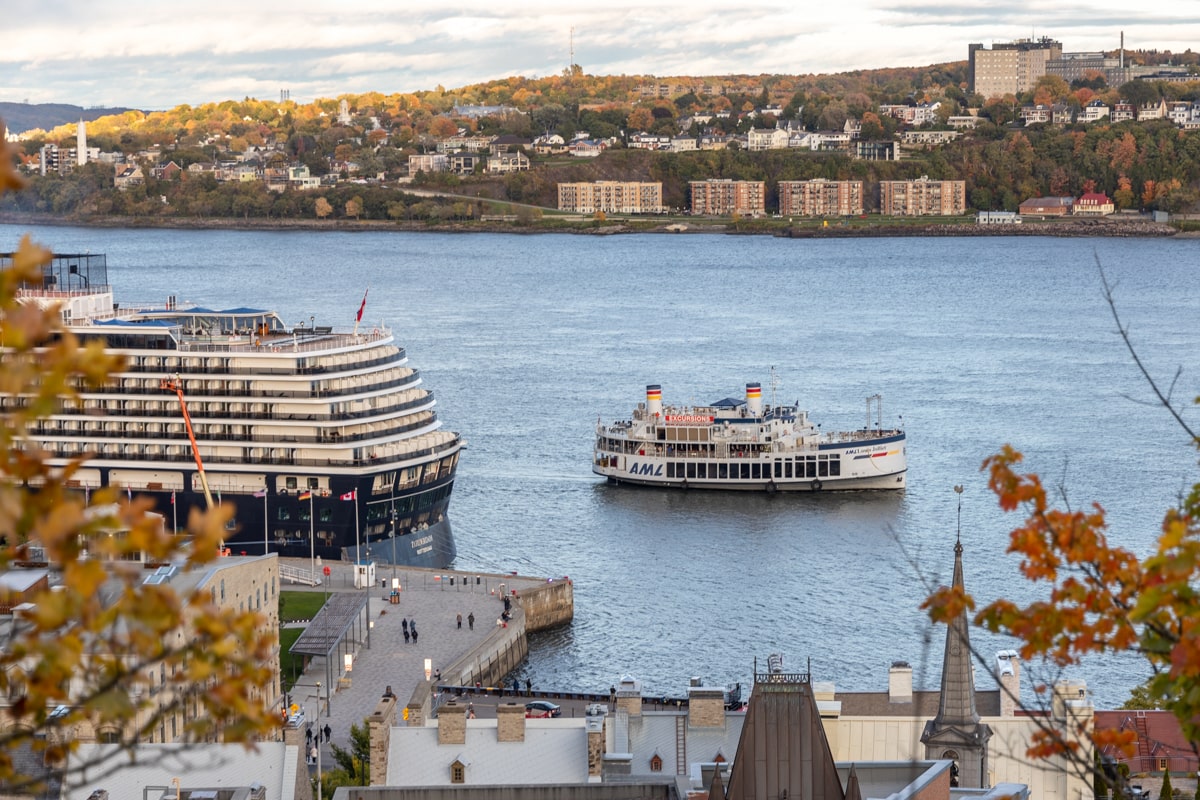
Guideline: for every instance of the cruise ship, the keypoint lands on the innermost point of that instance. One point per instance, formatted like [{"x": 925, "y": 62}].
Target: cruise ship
[
  {"x": 741, "y": 444},
  {"x": 323, "y": 440}
]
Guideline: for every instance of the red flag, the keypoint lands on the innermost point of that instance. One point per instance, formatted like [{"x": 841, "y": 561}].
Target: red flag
[
  {"x": 351, "y": 495},
  {"x": 172, "y": 498},
  {"x": 362, "y": 308}
]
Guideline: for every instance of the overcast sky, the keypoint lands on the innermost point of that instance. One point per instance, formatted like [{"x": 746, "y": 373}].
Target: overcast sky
[{"x": 152, "y": 54}]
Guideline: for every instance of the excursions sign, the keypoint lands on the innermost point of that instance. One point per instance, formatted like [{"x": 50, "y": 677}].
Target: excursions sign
[{"x": 688, "y": 419}]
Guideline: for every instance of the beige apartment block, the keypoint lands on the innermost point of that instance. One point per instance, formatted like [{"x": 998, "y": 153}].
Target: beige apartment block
[
  {"x": 1009, "y": 67},
  {"x": 725, "y": 197},
  {"x": 820, "y": 197},
  {"x": 611, "y": 197},
  {"x": 922, "y": 197}
]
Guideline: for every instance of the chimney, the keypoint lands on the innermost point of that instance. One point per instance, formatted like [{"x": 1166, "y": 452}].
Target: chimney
[
  {"x": 594, "y": 722},
  {"x": 1008, "y": 675},
  {"x": 510, "y": 722},
  {"x": 706, "y": 707},
  {"x": 452, "y": 724},
  {"x": 379, "y": 726},
  {"x": 900, "y": 682},
  {"x": 629, "y": 697}
]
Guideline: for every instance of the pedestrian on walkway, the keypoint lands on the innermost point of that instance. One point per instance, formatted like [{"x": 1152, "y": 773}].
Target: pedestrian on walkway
[
  {"x": 471, "y": 620},
  {"x": 460, "y": 622},
  {"x": 328, "y": 732},
  {"x": 528, "y": 687},
  {"x": 406, "y": 634},
  {"x": 414, "y": 634},
  {"x": 404, "y": 624},
  {"x": 312, "y": 755}
]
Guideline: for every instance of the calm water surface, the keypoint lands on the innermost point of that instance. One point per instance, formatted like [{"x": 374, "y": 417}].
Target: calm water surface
[{"x": 973, "y": 342}]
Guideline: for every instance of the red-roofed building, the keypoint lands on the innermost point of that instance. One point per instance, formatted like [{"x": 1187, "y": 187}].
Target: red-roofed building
[
  {"x": 1161, "y": 745},
  {"x": 1093, "y": 204}
]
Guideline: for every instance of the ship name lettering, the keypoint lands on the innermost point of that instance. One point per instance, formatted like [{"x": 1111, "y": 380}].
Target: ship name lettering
[
  {"x": 646, "y": 469},
  {"x": 418, "y": 542}
]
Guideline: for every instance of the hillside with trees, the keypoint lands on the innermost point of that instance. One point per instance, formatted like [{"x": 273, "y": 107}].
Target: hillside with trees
[{"x": 359, "y": 145}]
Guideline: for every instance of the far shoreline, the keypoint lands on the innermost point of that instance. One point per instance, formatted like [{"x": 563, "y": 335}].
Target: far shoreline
[{"x": 1123, "y": 227}]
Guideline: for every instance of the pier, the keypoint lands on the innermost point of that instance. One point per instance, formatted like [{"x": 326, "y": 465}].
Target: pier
[{"x": 470, "y": 658}]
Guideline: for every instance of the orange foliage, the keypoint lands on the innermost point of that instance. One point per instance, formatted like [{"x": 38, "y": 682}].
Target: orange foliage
[{"x": 1101, "y": 598}]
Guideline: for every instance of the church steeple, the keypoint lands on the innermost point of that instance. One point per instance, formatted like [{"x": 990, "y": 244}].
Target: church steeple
[{"x": 956, "y": 731}]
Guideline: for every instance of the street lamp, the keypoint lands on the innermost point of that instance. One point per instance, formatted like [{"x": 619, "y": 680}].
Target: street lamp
[
  {"x": 318, "y": 742},
  {"x": 393, "y": 543}
]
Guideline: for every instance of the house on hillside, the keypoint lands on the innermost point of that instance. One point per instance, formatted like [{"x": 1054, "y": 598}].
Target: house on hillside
[
  {"x": 1093, "y": 204},
  {"x": 128, "y": 175},
  {"x": 1046, "y": 206}
]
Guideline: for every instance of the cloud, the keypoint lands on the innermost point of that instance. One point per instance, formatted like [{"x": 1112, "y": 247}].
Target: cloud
[{"x": 149, "y": 54}]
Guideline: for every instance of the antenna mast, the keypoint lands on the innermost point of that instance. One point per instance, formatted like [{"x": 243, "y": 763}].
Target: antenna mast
[{"x": 571, "y": 65}]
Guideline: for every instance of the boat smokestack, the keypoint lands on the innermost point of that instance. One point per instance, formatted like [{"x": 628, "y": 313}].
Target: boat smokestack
[
  {"x": 754, "y": 398},
  {"x": 654, "y": 401}
]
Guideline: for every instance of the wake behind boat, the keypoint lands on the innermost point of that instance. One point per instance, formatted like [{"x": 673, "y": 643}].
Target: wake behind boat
[{"x": 742, "y": 445}]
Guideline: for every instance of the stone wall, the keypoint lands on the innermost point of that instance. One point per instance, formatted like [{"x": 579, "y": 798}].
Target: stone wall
[
  {"x": 379, "y": 726},
  {"x": 548, "y": 605}
]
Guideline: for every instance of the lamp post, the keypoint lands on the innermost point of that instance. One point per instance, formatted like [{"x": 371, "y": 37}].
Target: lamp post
[
  {"x": 318, "y": 742},
  {"x": 393, "y": 543},
  {"x": 312, "y": 540}
]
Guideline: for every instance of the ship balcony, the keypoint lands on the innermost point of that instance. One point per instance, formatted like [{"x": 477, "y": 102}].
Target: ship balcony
[
  {"x": 205, "y": 435},
  {"x": 254, "y": 411},
  {"x": 200, "y": 387},
  {"x": 192, "y": 365},
  {"x": 264, "y": 456}
]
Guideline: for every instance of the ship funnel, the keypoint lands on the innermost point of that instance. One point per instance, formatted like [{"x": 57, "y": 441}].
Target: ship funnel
[
  {"x": 654, "y": 400},
  {"x": 754, "y": 399}
]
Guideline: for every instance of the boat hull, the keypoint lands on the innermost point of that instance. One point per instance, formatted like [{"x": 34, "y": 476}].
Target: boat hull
[{"x": 892, "y": 481}]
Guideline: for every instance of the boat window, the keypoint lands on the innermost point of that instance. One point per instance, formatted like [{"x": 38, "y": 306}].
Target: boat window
[
  {"x": 723, "y": 471},
  {"x": 756, "y": 471},
  {"x": 810, "y": 469},
  {"x": 823, "y": 469},
  {"x": 745, "y": 471},
  {"x": 691, "y": 470},
  {"x": 670, "y": 469},
  {"x": 835, "y": 466},
  {"x": 787, "y": 469},
  {"x": 778, "y": 469}
]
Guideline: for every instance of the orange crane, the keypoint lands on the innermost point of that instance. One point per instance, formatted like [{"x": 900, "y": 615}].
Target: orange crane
[{"x": 176, "y": 386}]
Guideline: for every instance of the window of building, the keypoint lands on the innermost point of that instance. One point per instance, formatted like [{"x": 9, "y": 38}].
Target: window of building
[
  {"x": 656, "y": 763},
  {"x": 458, "y": 772}
]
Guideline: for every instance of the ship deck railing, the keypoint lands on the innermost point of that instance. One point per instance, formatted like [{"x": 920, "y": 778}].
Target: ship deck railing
[
  {"x": 306, "y": 577},
  {"x": 145, "y": 461},
  {"x": 52, "y": 433}
]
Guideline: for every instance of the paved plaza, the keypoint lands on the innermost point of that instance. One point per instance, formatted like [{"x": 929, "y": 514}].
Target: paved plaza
[{"x": 426, "y": 598}]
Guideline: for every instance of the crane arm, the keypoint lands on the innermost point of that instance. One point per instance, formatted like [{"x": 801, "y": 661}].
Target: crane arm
[{"x": 176, "y": 386}]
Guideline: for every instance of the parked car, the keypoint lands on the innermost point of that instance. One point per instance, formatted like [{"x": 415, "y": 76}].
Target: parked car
[{"x": 542, "y": 708}]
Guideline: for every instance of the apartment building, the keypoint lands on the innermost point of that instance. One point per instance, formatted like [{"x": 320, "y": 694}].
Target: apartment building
[
  {"x": 1009, "y": 67},
  {"x": 922, "y": 197},
  {"x": 611, "y": 197},
  {"x": 820, "y": 198},
  {"x": 724, "y": 197}
]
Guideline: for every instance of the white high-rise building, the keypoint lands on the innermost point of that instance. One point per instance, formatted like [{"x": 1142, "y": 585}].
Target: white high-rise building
[{"x": 81, "y": 151}]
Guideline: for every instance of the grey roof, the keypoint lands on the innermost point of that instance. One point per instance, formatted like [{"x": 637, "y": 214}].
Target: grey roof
[
  {"x": 555, "y": 751},
  {"x": 322, "y": 635},
  {"x": 655, "y": 733},
  {"x": 925, "y": 704},
  {"x": 200, "y": 766}
]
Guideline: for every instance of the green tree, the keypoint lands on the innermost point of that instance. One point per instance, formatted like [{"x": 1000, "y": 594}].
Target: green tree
[
  {"x": 1166, "y": 792},
  {"x": 353, "y": 765},
  {"x": 95, "y": 659}
]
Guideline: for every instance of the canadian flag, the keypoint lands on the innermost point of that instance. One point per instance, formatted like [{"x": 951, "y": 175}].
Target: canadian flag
[{"x": 351, "y": 495}]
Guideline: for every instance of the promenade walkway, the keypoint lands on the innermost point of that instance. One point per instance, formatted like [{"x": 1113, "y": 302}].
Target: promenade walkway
[{"x": 426, "y": 598}]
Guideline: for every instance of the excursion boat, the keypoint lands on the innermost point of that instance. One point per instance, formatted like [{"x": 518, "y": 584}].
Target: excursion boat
[
  {"x": 741, "y": 444},
  {"x": 323, "y": 440}
]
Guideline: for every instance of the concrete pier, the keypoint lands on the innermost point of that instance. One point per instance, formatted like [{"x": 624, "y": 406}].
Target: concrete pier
[{"x": 432, "y": 599}]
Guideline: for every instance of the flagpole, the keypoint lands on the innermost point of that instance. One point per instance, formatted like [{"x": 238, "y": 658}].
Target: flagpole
[
  {"x": 357, "y": 545},
  {"x": 174, "y": 513},
  {"x": 266, "y": 547},
  {"x": 312, "y": 540}
]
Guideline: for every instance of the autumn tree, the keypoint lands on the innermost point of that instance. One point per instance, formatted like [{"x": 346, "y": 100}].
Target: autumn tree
[
  {"x": 1099, "y": 598},
  {"x": 323, "y": 208},
  {"x": 69, "y": 662}
]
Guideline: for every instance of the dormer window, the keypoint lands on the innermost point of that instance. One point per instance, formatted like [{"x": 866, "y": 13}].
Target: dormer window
[
  {"x": 458, "y": 771},
  {"x": 656, "y": 763}
]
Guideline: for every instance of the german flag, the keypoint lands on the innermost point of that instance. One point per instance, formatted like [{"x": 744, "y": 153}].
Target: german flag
[{"x": 305, "y": 496}]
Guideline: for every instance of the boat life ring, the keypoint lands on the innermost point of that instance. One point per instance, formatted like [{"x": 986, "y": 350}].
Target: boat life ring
[
  {"x": 816, "y": 486},
  {"x": 770, "y": 487},
  {"x": 375, "y": 332}
]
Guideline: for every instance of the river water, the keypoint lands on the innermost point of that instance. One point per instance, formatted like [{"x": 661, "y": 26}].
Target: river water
[{"x": 526, "y": 340}]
